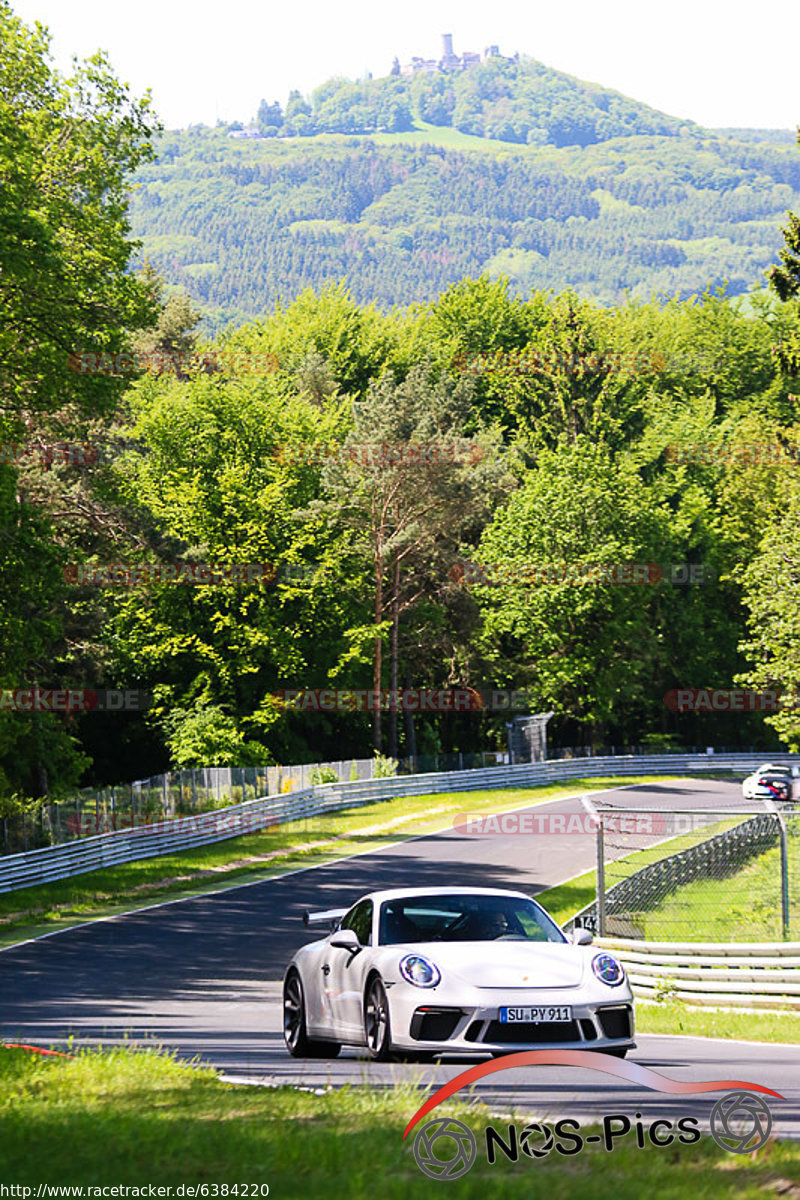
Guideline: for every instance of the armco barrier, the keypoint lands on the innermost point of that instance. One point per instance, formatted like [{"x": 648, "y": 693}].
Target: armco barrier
[
  {"x": 181, "y": 833},
  {"x": 725, "y": 975}
]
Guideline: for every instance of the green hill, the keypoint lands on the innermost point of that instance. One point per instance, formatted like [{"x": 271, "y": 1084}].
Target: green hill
[
  {"x": 507, "y": 168},
  {"x": 512, "y": 100}
]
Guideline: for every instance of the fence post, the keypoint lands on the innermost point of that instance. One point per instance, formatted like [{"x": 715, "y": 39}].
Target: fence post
[
  {"x": 600, "y": 865},
  {"x": 784, "y": 868},
  {"x": 784, "y": 878},
  {"x": 784, "y": 881},
  {"x": 601, "y": 881}
]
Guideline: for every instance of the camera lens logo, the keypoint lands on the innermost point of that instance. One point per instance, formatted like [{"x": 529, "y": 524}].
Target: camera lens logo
[
  {"x": 446, "y": 1135},
  {"x": 536, "y": 1140},
  {"x": 741, "y": 1122}
]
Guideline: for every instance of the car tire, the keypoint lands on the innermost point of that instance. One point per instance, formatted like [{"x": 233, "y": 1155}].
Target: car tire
[
  {"x": 295, "y": 1034},
  {"x": 377, "y": 1022}
]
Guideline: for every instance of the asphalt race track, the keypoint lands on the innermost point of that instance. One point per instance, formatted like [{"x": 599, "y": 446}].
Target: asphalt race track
[{"x": 203, "y": 976}]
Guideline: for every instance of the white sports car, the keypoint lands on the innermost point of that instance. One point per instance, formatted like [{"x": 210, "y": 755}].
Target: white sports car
[
  {"x": 452, "y": 970},
  {"x": 779, "y": 781}
]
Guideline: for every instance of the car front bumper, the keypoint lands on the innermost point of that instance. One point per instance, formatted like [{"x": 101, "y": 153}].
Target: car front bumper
[{"x": 435, "y": 1024}]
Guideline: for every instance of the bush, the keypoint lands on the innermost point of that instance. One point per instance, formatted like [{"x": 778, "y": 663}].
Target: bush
[
  {"x": 382, "y": 767},
  {"x": 323, "y": 775}
]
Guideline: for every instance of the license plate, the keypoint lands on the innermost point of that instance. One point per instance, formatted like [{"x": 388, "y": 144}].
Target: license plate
[{"x": 534, "y": 1016}]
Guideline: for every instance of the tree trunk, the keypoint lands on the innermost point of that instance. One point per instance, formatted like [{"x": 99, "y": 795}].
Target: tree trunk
[
  {"x": 411, "y": 733},
  {"x": 393, "y": 671},
  {"x": 39, "y": 780},
  {"x": 377, "y": 659}
]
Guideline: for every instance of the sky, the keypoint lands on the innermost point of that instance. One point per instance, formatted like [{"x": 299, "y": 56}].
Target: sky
[{"x": 725, "y": 63}]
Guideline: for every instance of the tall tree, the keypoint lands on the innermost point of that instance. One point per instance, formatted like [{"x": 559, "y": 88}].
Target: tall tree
[
  {"x": 772, "y": 595},
  {"x": 785, "y": 282},
  {"x": 553, "y": 622},
  {"x": 67, "y": 147},
  {"x": 412, "y": 486}
]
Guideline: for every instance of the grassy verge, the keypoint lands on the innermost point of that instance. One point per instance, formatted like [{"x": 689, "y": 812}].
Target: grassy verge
[
  {"x": 742, "y": 906},
  {"x": 675, "y": 1017},
  {"x": 745, "y": 906},
  {"x": 713, "y": 911},
  {"x": 258, "y": 856},
  {"x": 563, "y": 901},
  {"x": 125, "y": 1118}
]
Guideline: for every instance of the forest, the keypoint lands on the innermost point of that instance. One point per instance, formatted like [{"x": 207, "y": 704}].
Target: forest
[
  {"x": 509, "y": 99},
  {"x": 348, "y": 492},
  {"x": 241, "y": 224}
]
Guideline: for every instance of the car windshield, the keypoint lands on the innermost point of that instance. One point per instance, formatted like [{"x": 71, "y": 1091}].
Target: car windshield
[{"x": 465, "y": 918}]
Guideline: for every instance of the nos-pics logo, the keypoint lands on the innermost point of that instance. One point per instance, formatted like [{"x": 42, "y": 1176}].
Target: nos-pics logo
[{"x": 445, "y": 1148}]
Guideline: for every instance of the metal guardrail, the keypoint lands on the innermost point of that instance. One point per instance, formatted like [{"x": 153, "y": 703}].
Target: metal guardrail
[
  {"x": 181, "y": 833},
  {"x": 726, "y": 975},
  {"x": 189, "y": 790}
]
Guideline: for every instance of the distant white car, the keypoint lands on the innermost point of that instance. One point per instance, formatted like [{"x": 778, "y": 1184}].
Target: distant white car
[
  {"x": 778, "y": 781},
  {"x": 452, "y": 971}
]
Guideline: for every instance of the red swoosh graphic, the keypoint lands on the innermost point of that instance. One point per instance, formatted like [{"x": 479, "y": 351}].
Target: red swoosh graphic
[
  {"x": 587, "y": 1059},
  {"x": 35, "y": 1049}
]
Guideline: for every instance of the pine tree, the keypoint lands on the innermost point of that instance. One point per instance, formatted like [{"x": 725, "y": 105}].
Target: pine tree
[{"x": 785, "y": 282}]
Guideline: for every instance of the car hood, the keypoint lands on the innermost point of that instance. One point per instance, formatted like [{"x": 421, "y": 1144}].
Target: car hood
[{"x": 507, "y": 964}]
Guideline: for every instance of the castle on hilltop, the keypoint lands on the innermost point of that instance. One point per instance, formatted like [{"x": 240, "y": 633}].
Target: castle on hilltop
[{"x": 450, "y": 61}]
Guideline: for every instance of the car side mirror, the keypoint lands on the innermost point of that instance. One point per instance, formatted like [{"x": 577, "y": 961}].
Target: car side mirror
[
  {"x": 582, "y": 937},
  {"x": 346, "y": 939}
]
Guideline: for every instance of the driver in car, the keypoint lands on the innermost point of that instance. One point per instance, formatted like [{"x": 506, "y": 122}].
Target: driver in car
[{"x": 489, "y": 925}]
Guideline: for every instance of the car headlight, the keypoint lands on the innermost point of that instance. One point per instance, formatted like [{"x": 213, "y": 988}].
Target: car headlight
[
  {"x": 608, "y": 970},
  {"x": 419, "y": 971}
]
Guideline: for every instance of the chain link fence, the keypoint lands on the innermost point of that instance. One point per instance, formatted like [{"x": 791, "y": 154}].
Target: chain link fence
[
  {"x": 174, "y": 794},
  {"x": 197, "y": 790},
  {"x": 696, "y": 875}
]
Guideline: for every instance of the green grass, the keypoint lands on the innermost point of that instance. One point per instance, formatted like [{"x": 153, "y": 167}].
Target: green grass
[
  {"x": 711, "y": 911},
  {"x": 563, "y": 901},
  {"x": 422, "y": 134},
  {"x": 256, "y": 856},
  {"x": 675, "y": 1017},
  {"x": 745, "y": 906},
  {"x": 120, "y": 1117}
]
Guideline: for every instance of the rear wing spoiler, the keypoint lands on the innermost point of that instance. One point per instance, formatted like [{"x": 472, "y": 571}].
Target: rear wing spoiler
[{"x": 331, "y": 917}]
